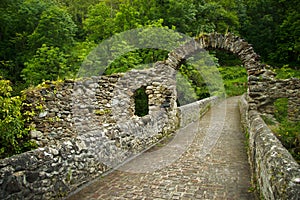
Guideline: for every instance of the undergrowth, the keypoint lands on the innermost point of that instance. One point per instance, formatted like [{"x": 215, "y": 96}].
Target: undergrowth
[
  {"x": 14, "y": 135},
  {"x": 234, "y": 80},
  {"x": 288, "y": 132},
  {"x": 286, "y": 72}
]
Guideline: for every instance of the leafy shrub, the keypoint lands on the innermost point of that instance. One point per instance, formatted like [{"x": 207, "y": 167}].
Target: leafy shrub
[
  {"x": 190, "y": 85},
  {"x": 287, "y": 132},
  {"x": 286, "y": 72},
  {"x": 185, "y": 91},
  {"x": 135, "y": 60},
  {"x": 281, "y": 107},
  {"x": 49, "y": 63},
  {"x": 227, "y": 59},
  {"x": 14, "y": 137},
  {"x": 234, "y": 79}
]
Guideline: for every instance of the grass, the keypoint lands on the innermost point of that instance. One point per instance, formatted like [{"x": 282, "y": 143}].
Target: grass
[
  {"x": 286, "y": 72},
  {"x": 234, "y": 79},
  {"x": 288, "y": 132}
]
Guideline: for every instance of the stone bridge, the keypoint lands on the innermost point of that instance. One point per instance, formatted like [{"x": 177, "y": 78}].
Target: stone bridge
[{"x": 86, "y": 128}]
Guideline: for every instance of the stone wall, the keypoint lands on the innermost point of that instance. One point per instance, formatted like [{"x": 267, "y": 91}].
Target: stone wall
[
  {"x": 87, "y": 127},
  {"x": 274, "y": 170},
  {"x": 194, "y": 111},
  {"x": 264, "y": 90}
]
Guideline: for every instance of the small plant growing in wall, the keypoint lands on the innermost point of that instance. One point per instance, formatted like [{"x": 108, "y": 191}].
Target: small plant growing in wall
[{"x": 102, "y": 112}]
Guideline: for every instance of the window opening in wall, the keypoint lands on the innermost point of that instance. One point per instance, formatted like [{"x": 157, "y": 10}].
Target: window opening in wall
[{"x": 141, "y": 102}]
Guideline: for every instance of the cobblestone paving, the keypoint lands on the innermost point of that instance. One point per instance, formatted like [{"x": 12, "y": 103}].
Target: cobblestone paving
[{"x": 207, "y": 160}]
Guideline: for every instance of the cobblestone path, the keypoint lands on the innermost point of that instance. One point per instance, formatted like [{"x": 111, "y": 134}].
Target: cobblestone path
[{"x": 206, "y": 160}]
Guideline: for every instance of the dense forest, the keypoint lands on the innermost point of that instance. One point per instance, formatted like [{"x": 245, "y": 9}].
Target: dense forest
[
  {"x": 46, "y": 40},
  {"x": 49, "y": 39}
]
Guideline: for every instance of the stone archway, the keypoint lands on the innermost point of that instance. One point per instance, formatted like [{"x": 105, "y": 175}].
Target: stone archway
[
  {"x": 235, "y": 45},
  {"x": 263, "y": 87},
  {"x": 213, "y": 41},
  {"x": 228, "y": 42}
]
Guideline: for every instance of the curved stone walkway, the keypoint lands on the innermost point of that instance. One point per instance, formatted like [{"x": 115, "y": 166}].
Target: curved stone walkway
[{"x": 206, "y": 160}]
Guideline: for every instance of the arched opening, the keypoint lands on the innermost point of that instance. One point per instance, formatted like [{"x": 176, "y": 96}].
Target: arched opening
[
  {"x": 141, "y": 102},
  {"x": 233, "y": 73}
]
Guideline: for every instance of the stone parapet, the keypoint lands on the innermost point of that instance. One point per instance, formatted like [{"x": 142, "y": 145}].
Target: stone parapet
[
  {"x": 274, "y": 170},
  {"x": 194, "y": 111}
]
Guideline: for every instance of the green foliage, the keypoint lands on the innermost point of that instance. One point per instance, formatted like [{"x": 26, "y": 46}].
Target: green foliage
[
  {"x": 27, "y": 25},
  {"x": 124, "y": 62},
  {"x": 214, "y": 16},
  {"x": 191, "y": 84},
  {"x": 185, "y": 91},
  {"x": 281, "y": 109},
  {"x": 189, "y": 17},
  {"x": 288, "y": 39},
  {"x": 286, "y": 131},
  {"x": 179, "y": 14},
  {"x": 226, "y": 59},
  {"x": 138, "y": 48},
  {"x": 127, "y": 18},
  {"x": 14, "y": 137},
  {"x": 234, "y": 79},
  {"x": 273, "y": 28},
  {"x": 141, "y": 102},
  {"x": 49, "y": 63},
  {"x": 39, "y": 40},
  {"x": 15, "y": 27},
  {"x": 289, "y": 134},
  {"x": 76, "y": 56},
  {"x": 99, "y": 24},
  {"x": 55, "y": 28},
  {"x": 199, "y": 78},
  {"x": 78, "y": 10},
  {"x": 135, "y": 59},
  {"x": 29, "y": 15},
  {"x": 286, "y": 72}
]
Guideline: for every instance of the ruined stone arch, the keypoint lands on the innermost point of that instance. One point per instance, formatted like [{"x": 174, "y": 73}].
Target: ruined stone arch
[
  {"x": 237, "y": 46},
  {"x": 258, "y": 76},
  {"x": 261, "y": 91},
  {"x": 228, "y": 42},
  {"x": 159, "y": 86}
]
